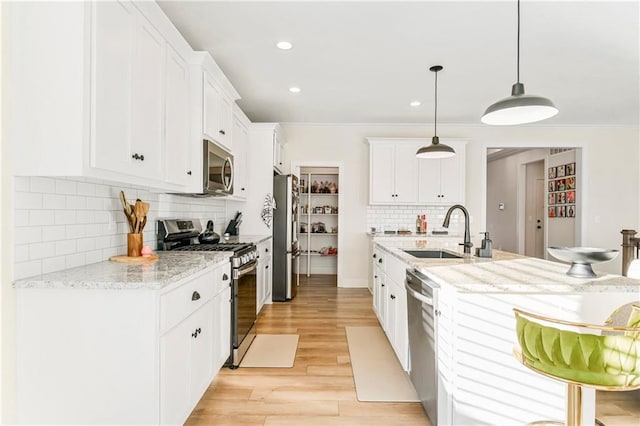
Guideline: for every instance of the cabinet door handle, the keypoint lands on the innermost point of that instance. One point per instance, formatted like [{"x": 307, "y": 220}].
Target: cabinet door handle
[
  {"x": 225, "y": 277},
  {"x": 189, "y": 172},
  {"x": 392, "y": 297},
  {"x": 375, "y": 276},
  {"x": 382, "y": 285},
  {"x": 222, "y": 132},
  {"x": 199, "y": 330},
  {"x": 266, "y": 267},
  {"x": 137, "y": 156},
  {"x": 195, "y": 296},
  {"x": 194, "y": 334},
  {"x": 375, "y": 255},
  {"x": 379, "y": 260},
  {"x": 267, "y": 250}
]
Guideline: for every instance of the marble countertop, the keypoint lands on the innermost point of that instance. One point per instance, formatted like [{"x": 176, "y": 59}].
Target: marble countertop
[
  {"x": 503, "y": 273},
  {"x": 170, "y": 268}
]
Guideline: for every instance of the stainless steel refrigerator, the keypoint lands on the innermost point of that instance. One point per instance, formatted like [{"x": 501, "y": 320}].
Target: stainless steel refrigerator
[{"x": 286, "y": 253}]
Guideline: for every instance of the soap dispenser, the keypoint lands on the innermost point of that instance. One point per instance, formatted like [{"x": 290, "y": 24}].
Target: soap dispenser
[{"x": 486, "y": 246}]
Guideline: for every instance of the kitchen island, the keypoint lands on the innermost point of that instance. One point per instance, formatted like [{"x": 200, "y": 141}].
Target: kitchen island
[{"x": 479, "y": 381}]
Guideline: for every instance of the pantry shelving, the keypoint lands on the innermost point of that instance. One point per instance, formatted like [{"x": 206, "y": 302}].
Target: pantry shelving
[{"x": 319, "y": 213}]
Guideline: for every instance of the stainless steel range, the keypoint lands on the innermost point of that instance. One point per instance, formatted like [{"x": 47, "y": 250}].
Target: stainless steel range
[{"x": 187, "y": 235}]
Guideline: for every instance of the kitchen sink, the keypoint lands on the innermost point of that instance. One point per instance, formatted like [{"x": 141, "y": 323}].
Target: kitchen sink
[{"x": 433, "y": 254}]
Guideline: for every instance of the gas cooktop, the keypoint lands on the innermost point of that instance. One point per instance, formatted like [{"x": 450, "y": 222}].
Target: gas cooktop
[{"x": 213, "y": 247}]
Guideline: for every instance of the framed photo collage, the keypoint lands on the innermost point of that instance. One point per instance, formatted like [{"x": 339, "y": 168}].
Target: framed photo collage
[{"x": 561, "y": 198}]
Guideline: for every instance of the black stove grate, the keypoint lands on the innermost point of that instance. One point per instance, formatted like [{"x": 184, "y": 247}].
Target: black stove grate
[{"x": 213, "y": 247}]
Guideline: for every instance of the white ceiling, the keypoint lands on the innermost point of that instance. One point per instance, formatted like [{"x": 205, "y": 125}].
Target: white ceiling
[{"x": 363, "y": 62}]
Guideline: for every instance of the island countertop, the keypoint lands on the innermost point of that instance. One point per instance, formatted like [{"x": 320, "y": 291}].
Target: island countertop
[
  {"x": 503, "y": 273},
  {"x": 170, "y": 268}
]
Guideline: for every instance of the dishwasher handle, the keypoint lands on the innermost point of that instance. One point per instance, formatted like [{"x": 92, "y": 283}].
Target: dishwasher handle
[{"x": 416, "y": 295}]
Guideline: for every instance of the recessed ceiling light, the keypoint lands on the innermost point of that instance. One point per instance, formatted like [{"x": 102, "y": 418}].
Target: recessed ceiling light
[
  {"x": 284, "y": 45},
  {"x": 294, "y": 89},
  {"x": 415, "y": 103}
]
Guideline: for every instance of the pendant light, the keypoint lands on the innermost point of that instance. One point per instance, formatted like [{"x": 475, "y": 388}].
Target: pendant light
[
  {"x": 436, "y": 149},
  {"x": 519, "y": 108}
]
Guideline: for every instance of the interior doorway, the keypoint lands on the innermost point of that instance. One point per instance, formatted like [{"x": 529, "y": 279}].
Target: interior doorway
[
  {"x": 534, "y": 211},
  {"x": 528, "y": 205}
]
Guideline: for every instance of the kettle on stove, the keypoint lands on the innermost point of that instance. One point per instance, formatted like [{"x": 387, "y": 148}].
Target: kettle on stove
[{"x": 208, "y": 236}]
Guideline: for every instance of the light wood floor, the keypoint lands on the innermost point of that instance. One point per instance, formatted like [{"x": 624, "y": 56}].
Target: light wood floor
[{"x": 319, "y": 389}]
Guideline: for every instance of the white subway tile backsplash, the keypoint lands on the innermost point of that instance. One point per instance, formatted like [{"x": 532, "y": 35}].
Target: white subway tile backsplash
[
  {"x": 54, "y": 201},
  {"x": 28, "y": 235},
  {"x": 27, "y": 269},
  {"x": 41, "y": 217},
  {"x": 21, "y": 253},
  {"x": 53, "y": 264},
  {"x": 53, "y": 233},
  {"x": 75, "y": 202},
  {"x": 65, "y": 247},
  {"x": 65, "y": 217},
  {"x": 404, "y": 217},
  {"x": 86, "y": 189},
  {"x": 28, "y": 200},
  {"x": 43, "y": 185},
  {"x": 67, "y": 222},
  {"x": 41, "y": 250},
  {"x": 66, "y": 187}
]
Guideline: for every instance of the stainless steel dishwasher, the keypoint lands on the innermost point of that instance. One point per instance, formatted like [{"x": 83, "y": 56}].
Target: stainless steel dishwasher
[{"x": 422, "y": 314}]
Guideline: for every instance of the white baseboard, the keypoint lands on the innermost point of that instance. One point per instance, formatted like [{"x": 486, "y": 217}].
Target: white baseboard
[{"x": 353, "y": 282}]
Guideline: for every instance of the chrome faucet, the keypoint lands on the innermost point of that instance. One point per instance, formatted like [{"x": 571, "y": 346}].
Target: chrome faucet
[{"x": 467, "y": 237}]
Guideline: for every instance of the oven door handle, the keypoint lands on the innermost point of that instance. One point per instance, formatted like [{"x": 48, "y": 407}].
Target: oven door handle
[{"x": 249, "y": 267}]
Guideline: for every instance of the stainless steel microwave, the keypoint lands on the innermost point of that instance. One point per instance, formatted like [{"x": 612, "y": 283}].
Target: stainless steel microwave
[{"x": 217, "y": 170}]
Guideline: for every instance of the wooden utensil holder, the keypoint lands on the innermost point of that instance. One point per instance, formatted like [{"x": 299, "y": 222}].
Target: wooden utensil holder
[{"x": 134, "y": 245}]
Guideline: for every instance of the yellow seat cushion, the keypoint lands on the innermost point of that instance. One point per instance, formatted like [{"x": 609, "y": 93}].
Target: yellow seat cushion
[{"x": 608, "y": 360}]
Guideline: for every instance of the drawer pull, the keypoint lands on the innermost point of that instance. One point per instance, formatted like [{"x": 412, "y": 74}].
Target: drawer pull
[
  {"x": 375, "y": 255},
  {"x": 382, "y": 285},
  {"x": 194, "y": 335},
  {"x": 392, "y": 297},
  {"x": 380, "y": 260},
  {"x": 225, "y": 277},
  {"x": 195, "y": 296}
]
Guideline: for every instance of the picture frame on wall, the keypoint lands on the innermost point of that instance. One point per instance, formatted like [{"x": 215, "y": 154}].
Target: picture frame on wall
[
  {"x": 561, "y": 184},
  {"x": 551, "y": 211},
  {"x": 561, "y": 198},
  {"x": 560, "y": 171},
  {"x": 571, "y": 169},
  {"x": 552, "y": 172},
  {"x": 552, "y": 186},
  {"x": 552, "y": 199},
  {"x": 571, "y": 182},
  {"x": 571, "y": 197},
  {"x": 561, "y": 211},
  {"x": 571, "y": 211}
]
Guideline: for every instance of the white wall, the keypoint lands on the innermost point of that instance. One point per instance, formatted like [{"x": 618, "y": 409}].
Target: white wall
[{"x": 610, "y": 159}]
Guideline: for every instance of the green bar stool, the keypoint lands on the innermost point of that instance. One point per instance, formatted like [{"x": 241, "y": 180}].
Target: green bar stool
[{"x": 603, "y": 357}]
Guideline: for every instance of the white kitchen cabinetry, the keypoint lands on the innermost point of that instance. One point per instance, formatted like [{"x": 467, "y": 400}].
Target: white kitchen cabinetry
[
  {"x": 240, "y": 141},
  {"x": 128, "y": 69},
  {"x": 393, "y": 170},
  {"x": 264, "y": 284},
  {"x": 278, "y": 152},
  {"x": 117, "y": 102},
  {"x": 120, "y": 356},
  {"x": 443, "y": 181},
  {"x": 390, "y": 301},
  {"x": 217, "y": 113},
  {"x": 178, "y": 147}
]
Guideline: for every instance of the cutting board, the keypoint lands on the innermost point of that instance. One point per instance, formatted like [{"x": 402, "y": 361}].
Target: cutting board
[{"x": 139, "y": 260}]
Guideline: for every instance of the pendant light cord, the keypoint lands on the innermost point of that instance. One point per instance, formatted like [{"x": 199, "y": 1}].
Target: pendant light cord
[
  {"x": 518, "y": 51},
  {"x": 435, "y": 118}
]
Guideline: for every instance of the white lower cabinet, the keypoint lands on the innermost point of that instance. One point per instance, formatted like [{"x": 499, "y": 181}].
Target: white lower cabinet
[
  {"x": 390, "y": 302},
  {"x": 120, "y": 356},
  {"x": 264, "y": 284}
]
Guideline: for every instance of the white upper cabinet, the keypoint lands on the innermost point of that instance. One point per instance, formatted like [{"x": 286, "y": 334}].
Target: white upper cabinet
[
  {"x": 127, "y": 115},
  {"x": 397, "y": 176},
  {"x": 178, "y": 146},
  {"x": 393, "y": 171},
  {"x": 118, "y": 101},
  {"x": 218, "y": 121},
  {"x": 240, "y": 141},
  {"x": 443, "y": 181}
]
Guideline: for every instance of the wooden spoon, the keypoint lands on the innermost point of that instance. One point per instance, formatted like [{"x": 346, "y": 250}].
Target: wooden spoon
[
  {"x": 128, "y": 211},
  {"x": 138, "y": 211}
]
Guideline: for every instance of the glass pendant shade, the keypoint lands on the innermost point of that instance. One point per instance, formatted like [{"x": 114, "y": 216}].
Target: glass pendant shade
[
  {"x": 435, "y": 150},
  {"x": 519, "y": 109}
]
